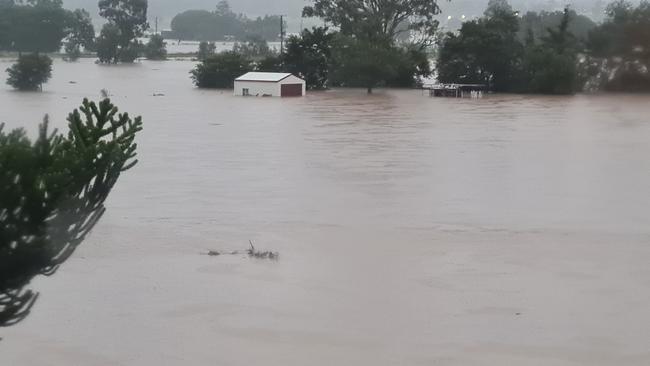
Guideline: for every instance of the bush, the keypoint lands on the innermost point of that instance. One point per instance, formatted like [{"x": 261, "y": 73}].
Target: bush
[
  {"x": 155, "y": 49},
  {"x": 220, "y": 70},
  {"x": 30, "y": 72}
]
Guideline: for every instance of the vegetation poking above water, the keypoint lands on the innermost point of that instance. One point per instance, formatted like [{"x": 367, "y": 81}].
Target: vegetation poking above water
[
  {"x": 251, "y": 252},
  {"x": 30, "y": 72}
]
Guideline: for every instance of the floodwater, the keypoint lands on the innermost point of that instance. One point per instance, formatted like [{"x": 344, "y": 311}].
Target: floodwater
[{"x": 511, "y": 230}]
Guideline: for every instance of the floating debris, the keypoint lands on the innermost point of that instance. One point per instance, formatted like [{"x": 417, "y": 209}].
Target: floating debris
[
  {"x": 261, "y": 255},
  {"x": 252, "y": 252}
]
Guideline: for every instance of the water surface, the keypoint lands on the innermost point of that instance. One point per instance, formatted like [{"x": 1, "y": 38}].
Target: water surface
[{"x": 412, "y": 230}]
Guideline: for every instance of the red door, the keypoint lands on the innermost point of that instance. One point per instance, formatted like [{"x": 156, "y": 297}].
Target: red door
[{"x": 291, "y": 90}]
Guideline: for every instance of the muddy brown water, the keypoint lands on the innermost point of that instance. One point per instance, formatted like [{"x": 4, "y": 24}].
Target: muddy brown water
[{"x": 411, "y": 230}]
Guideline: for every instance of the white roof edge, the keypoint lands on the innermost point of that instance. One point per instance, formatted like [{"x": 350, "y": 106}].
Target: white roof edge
[{"x": 264, "y": 76}]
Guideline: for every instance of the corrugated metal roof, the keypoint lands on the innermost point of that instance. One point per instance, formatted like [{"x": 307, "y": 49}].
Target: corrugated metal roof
[{"x": 263, "y": 76}]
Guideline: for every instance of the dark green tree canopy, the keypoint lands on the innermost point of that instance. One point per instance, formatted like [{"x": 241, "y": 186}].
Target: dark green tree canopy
[
  {"x": 539, "y": 23},
  {"x": 489, "y": 51},
  {"x": 52, "y": 193},
  {"x": 127, "y": 20},
  {"x": 30, "y": 72},
  {"x": 485, "y": 51},
  {"x": 220, "y": 70},
  {"x": 309, "y": 56},
  {"x": 620, "y": 47},
  {"x": 377, "y": 20},
  {"x": 81, "y": 33},
  {"x": 33, "y": 26},
  {"x": 130, "y": 16}
]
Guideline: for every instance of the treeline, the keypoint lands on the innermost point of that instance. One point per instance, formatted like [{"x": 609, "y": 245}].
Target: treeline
[
  {"x": 33, "y": 28},
  {"x": 323, "y": 58},
  {"x": 42, "y": 25},
  {"x": 370, "y": 48},
  {"x": 222, "y": 24},
  {"x": 492, "y": 51}
]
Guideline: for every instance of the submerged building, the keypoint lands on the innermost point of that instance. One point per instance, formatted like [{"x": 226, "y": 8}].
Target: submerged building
[{"x": 270, "y": 84}]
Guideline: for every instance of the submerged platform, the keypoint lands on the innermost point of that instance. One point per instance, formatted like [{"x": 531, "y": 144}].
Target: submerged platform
[{"x": 457, "y": 90}]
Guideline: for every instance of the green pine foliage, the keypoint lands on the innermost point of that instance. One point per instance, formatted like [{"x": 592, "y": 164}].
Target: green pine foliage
[{"x": 52, "y": 193}]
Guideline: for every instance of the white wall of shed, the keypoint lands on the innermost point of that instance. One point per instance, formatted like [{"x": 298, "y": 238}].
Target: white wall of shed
[{"x": 257, "y": 88}]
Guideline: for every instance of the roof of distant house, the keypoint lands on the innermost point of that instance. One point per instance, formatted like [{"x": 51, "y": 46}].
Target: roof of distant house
[{"x": 264, "y": 76}]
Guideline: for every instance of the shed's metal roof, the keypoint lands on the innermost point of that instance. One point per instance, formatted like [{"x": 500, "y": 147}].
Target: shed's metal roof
[{"x": 263, "y": 76}]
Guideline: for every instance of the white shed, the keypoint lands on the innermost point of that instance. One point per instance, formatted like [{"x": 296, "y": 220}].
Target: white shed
[{"x": 269, "y": 84}]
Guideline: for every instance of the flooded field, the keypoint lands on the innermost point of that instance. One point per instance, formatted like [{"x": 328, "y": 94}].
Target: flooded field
[{"x": 510, "y": 230}]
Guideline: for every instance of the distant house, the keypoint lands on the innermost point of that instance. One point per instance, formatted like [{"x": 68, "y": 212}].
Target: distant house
[{"x": 269, "y": 84}]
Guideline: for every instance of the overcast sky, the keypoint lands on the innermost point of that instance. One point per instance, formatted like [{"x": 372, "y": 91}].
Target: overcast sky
[{"x": 166, "y": 9}]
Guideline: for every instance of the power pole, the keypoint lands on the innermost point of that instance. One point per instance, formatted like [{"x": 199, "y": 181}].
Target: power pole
[
  {"x": 156, "y": 25},
  {"x": 281, "y": 34}
]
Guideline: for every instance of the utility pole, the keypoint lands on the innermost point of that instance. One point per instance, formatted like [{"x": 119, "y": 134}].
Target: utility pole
[
  {"x": 156, "y": 25},
  {"x": 281, "y": 34}
]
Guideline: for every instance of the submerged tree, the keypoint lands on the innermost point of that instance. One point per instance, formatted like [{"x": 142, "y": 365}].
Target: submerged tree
[
  {"x": 309, "y": 55},
  {"x": 485, "y": 51},
  {"x": 30, "y": 72},
  {"x": 619, "y": 49},
  {"x": 552, "y": 66},
  {"x": 81, "y": 33},
  {"x": 127, "y": 20},
  {"x": 378, "y": 20},
  {"x": 156, "y": 48},
  {"x": 220, "y": 70},
  {"x": 52, "y": 193},
  {"x": 366, "y": 53}
]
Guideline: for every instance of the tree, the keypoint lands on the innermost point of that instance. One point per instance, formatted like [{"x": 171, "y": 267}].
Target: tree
[
  {"x": 485, "y": 51},
  {"x": 52, "y": 193},
  {"x": 33, "y": 26},
  {"x": 309, "y": 56},
  {"x": 220, "y": 70},
  {"x": 30, "y": 72},
  {"x": 81, "y": 33},
  {"x": 539, "y": 23},
  {"x": 357, "y": 63},
  {"x": 206, "y": 49},
  {"x": 127, "y": 20},
  {"x": 109, "y": 49},
  {"x": 155, "y": 49},
  {"x": 619, "y": 49},
  {"x": 381, "y": 21},
  {"x": 412, "y": 66},
  {"x": 552, "y": 67}
]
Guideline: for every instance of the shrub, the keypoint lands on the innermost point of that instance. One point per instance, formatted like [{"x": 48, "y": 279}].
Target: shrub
[
  {"x": 155, "y": 49},
  {"x": 30, "y": 72},
  {"x": 220, "y": 70}
]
